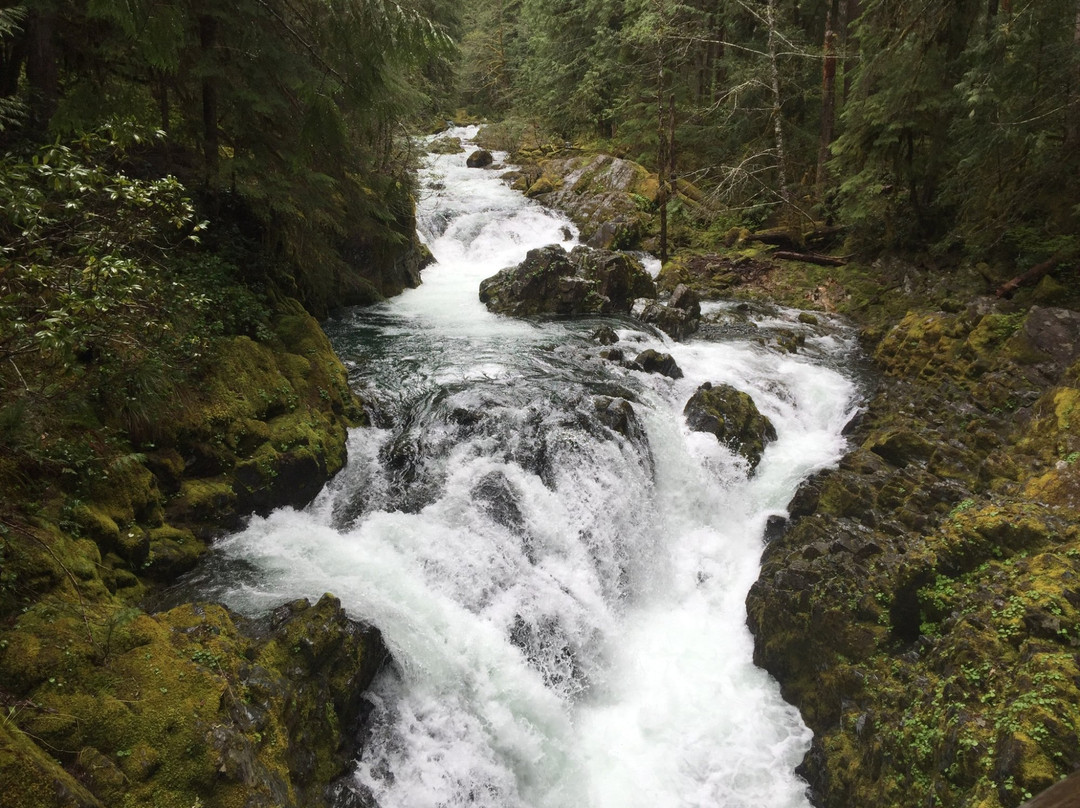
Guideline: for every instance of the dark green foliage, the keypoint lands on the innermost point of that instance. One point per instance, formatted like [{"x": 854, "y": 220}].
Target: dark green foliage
[
  {"x": 953, "y": 126},
  {"x": 291, "y": 111}
]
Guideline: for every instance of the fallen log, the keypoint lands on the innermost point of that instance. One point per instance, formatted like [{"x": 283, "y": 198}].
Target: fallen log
[
  {"x": 1031, "y": 276},
  {"x": 787, "y": 239},
  {"x": 809, "y": 258}
]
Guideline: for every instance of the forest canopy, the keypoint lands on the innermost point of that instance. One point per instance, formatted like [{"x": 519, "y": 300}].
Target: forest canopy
[{"x": 949, "y": 125}]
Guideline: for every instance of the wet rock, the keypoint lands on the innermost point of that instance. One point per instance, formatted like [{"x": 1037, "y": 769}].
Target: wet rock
[
  {"x": 652, "y": 361},
  {"x": 686, "y": 299},
  {"x": 774, "y": 527},
  {"x": 551, "y": 281},
  {"x": 446, "y": 145},
  {"x": 499, "y": 500},
  {"x": 679, "y": 317},
  {"x": 605, "y": 335},
  {"x": 676, "y": 323},
  {"x": 619, "y": 414},
  {"x": 733, "y": 418},
  {"x": 481, "y": 158}
]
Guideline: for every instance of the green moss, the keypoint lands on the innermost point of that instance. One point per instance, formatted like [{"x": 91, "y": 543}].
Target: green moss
[{"x": 29, "y": 778}]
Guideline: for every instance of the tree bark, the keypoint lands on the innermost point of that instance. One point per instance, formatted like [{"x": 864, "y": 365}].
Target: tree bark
[
  {"x": 849, "y": 12},
  {"x": 661, "y": 159},
  {"x": 42, "y": 73},
  {"x": 828, "y": 102},
  {"x": 208, "y": 31},
  {"x": 778, "y": 127}
]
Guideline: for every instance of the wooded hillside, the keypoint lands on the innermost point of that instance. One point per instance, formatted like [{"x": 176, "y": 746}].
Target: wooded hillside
[{"x": 949, "y": 125}]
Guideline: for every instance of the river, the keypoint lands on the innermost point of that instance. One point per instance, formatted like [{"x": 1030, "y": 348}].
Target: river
[{"x": 564, "y": 601}]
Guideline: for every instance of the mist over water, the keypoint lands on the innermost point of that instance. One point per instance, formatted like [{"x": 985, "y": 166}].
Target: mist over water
[{"x": 562, "y": 591}]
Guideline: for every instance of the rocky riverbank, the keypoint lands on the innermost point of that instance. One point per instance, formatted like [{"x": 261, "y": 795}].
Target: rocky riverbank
[
  {"x": 106, "y": 702},
  {"x": 921, "y": 608}
]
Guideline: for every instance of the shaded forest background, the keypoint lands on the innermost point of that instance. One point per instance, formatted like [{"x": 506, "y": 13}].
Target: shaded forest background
[
  {"x": 173, "y": 169},
  {"x": 952, "y": 127}
]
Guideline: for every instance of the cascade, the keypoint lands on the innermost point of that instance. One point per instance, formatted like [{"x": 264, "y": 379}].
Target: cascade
[{"x": 562, "y": 590}]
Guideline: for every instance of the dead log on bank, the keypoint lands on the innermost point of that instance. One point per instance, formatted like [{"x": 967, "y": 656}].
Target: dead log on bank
[
  {"x": 1033, "y": 275},
  {"x": 809, "y": 258}
]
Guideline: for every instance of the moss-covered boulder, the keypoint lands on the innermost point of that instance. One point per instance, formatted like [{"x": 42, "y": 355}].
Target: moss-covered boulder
[
  {"x": 610, "y": 199},
  {"x": 106, "y": 704},
  {"x": 192, "y": 706},
  {"x": 551, "y": 281},
  {"x": 921, "y": 608},
  {"x": 733, "y": 418},
  {"x": 712, "y": 275}
]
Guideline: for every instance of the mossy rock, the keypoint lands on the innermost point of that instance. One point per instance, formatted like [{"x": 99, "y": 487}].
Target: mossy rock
[
  {"x": 734, "y": 419},
  {"x": 172, "y": 552},
  {"x": 190, "y": 706},
  {"x": 30, "y": 778}
]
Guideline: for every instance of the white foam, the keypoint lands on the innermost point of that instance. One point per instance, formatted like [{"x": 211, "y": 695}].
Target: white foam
[{"x": 588, "y": 649}]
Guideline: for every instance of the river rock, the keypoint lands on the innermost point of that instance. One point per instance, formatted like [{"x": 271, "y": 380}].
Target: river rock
[
  {"x": 446, "y": 145},
  {"x": 550, "y": 281},
  {"x": 733, "y": 418},
  {"x": 605, "y": 335},
  {"x": 481, "y": 158},
  {"x": 652, "y": 361},
  {"x": 679, "y": 317},
  {"x": 607, "y": 197}
]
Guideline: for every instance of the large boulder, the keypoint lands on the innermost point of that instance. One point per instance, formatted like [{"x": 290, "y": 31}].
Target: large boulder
[
  {"x": 679, "y": 317},
  {"x": 608, "y": 198},
  {"x": 733, "y": 418},
  {"x": 552, "y": 281},
  {"x": 481, "y": 158}
]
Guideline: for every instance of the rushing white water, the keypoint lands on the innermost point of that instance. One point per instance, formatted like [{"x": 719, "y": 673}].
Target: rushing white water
[{"x": 564, "y": 601}]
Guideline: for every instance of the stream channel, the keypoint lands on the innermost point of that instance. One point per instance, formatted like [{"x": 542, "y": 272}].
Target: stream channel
[{"x": 561, "y": 584}]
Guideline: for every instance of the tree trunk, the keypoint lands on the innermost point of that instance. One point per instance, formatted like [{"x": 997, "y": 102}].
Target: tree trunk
[
  {"x": 661, "y": 158},
  {"x": 42, "y": 73},
  {"x": 828, "y": 103},
  {"x": 1072, "y": 108},
  {"x": 778, "y": 127},
  {"x": 12, "y": 57},
  {"x": 849, "y": 12},
  {"x": 211, "y": 145}
]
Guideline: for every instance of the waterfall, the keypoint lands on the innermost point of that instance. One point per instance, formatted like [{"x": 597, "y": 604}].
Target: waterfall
[{"x": 557, "y": 564}]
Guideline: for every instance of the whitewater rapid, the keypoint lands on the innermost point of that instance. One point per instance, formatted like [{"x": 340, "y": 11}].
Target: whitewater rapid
[{"x": 563, "y": 601}]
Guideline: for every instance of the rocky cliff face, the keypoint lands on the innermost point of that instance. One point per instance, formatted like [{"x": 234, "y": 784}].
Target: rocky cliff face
[{"x": 923, "y": 607}]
